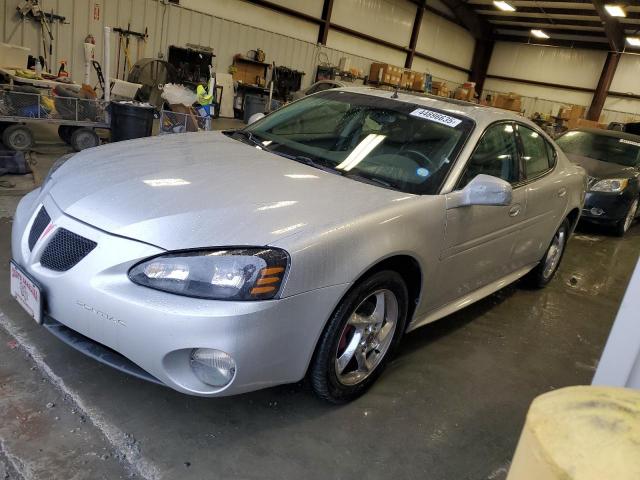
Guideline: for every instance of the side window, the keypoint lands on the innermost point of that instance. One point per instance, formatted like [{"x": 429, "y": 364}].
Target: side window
[
  {"x": 496, "y": 155},
  {"x": 535, "y": 152}
]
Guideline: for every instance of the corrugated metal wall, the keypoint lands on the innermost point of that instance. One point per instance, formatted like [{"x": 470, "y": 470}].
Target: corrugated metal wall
[{"x": 173, "y": 25}]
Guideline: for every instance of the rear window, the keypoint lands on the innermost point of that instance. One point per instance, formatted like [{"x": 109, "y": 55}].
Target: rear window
[{"x": 605, "y": 148}]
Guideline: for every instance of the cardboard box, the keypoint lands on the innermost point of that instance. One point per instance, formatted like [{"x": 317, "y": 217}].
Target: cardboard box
[
  {"x": 419, "y": 83},
  {"x": 509, "y": 101},
  {"x": 440, "y": 88},
  {"x": 466, "y": 93},
  {"x": 581, "y": 122},
  {"x": 407, "y": 78},
  {"x": 572, "y": 112},
  {"x": 13, "y": 56},
  {"x": 385, "y": 73},
  {"x": 248, "y": 73},
  {"x": 461, "y": 94}
]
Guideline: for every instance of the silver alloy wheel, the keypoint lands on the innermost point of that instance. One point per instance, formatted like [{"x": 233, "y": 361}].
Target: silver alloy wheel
[
  {"x": 554, "y": 254},
  {"x": 366, "y": 337},
  {"x": 631, "y": 214}
]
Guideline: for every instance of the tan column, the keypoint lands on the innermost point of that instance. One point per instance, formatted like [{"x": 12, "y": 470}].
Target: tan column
[{"x": 580, "y": 433}]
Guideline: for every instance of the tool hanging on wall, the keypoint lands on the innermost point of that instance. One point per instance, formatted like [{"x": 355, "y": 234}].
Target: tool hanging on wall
[
  {"x": 30, "y": 9},
  {"x": 124, "y": 37}
]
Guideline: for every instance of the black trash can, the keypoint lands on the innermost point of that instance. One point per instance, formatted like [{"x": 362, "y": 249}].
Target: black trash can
[{"x": 130, "y": 120}]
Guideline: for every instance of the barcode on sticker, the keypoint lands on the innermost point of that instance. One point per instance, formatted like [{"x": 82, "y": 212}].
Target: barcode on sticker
[
  {"x": 630, "y": 142},
  {"x": 436, "y": 117}
]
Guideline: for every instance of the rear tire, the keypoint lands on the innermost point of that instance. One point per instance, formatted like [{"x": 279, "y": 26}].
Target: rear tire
[
  {"x": 83, "y": 138},
  {"x": 544, "y": 272},
  {"x": 360, "y": 338},
  {"x": 623, "y": 225},
  {"x": 17, "y": 137}
]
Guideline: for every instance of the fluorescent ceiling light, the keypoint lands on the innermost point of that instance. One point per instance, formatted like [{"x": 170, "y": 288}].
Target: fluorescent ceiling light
[
  {"x": 504, "y": 6},
  {"x": 539, "y": 34},
  {"x": 633, "y": 41},
  {"x": 615, "y": 10}
]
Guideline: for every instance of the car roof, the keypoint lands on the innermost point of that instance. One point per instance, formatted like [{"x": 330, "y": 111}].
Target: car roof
[
  {"x": 609, "y": 133},
  {"x": 480, "y": 113}
]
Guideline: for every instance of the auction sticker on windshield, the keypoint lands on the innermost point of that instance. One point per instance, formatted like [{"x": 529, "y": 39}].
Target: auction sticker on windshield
[
  {"x": 26, "y": 292},
  {"x": 436, "y": 117}
]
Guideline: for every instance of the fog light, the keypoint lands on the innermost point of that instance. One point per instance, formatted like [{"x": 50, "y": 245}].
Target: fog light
[
  {"x": 597, "y": 211},
  {"x": 213, "y": 367}
]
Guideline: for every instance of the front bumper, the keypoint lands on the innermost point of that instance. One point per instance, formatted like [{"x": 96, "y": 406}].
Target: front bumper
[
  {"x": 606, "y": 207},
  {"x": 271, "y": 342}
]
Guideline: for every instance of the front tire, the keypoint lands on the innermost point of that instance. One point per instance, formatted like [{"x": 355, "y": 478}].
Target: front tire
[
  {"x": 623, "y": 225},
  {"x": 360, "y": 338},
  {"x": 544, "y": 272}
]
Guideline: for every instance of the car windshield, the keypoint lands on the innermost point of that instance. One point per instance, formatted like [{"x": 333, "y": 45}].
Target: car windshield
[
  {"x": 372, "y": 139},
  {"x": 601, "y": 147}
]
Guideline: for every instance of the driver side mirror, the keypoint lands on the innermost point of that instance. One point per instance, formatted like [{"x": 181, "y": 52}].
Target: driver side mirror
[{"x": 482, "y": 190}]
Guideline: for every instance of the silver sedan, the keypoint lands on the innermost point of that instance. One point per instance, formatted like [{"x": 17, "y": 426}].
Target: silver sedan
[{"x": 306, "y": 244}]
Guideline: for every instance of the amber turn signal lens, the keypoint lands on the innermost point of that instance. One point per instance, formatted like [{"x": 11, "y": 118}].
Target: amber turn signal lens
[
  {"x": 267, "y": 280},
  {"x": 271, "y": 271},
  {"x": 262, "y": 290}
]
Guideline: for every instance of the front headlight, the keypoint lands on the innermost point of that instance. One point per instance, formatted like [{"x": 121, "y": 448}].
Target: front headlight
[
  {"x": 610, "y": 185},
  {"x": 56, "y": 165},
  {"x": 231, "y": 274}
]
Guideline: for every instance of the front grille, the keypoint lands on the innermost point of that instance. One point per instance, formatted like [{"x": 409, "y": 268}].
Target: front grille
[
  {"x": 65, "y": 250},
  {"x": 591, "y": 181},
  {"x": 39, "y": 224}
]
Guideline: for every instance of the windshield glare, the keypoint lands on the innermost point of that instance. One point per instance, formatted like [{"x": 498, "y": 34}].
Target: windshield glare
[
  {"x": 373, "y": 139},
  {"x": 601, "y": 147}
]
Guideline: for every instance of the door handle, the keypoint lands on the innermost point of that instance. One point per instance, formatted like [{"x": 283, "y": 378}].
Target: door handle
[
  {"x": 562, "y": 192},
  {"x": 514, "y": 211}
]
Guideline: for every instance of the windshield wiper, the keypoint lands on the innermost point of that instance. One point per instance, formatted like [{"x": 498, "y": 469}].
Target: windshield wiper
[
  {"x": 248, "y": 136},
  {"x": 373, "y": 180},
  {"x": 309, "y": 161}
]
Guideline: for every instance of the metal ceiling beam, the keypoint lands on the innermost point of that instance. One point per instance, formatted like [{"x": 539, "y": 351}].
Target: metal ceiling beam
[
  {"x": 604, "y": 84},
  {"x": 555, "y": 43},
  {"x": 557, "y": 35},
  {"x": 540, "y": 4},
  {"x": 490, "y": 9},
  {"x": 551, "y": 26},
  {"x": 415, "y": 31},
  {"x": 287, "y": 11},
  {"x": 613, "y": 29},
  {"x": 478, "y": 26},
  {"x": 323, "y": 32},
  {"x": 480, "y": 64},
  {"x": 580, "y": 17}
]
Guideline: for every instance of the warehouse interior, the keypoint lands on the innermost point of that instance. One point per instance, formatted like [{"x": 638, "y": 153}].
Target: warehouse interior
[{"x": 78, "y": 77}]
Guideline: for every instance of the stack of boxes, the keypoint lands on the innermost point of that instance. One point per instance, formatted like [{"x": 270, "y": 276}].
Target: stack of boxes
[
  {"x": 466, "y": 92},
  {"x": 390, "y": 75},
  {"x": 508, "y": 101},
  {"x": 385, "y": 74},
  {"x": 440, "y": 88}
]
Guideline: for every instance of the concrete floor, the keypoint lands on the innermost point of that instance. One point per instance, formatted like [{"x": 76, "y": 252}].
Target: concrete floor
[{"x": 450, "y": 406}]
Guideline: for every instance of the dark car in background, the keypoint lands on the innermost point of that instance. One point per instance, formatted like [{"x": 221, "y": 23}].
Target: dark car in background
[{"x": 612, "y": 161}]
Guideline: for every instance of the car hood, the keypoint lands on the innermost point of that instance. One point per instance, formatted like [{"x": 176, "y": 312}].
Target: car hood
[
  {"x": 205, "y": 189},
  {"x": 599, "y": 169}
]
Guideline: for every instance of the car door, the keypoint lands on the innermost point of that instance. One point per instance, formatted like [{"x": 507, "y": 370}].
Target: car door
[
  {"x": 546, "y": 195},
  {"x": 479, "y": 239}
]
